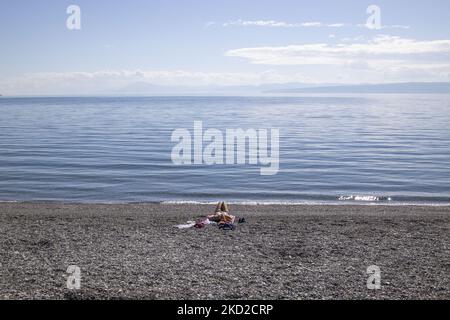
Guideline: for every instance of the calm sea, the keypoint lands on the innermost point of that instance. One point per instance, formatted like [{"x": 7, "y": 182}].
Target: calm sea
[{"x": 109, "y": 149}]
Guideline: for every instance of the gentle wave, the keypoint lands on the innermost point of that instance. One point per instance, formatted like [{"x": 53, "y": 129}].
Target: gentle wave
[
  {"x": 311, "y": 203},
  {"x": 244, "y": 203}
]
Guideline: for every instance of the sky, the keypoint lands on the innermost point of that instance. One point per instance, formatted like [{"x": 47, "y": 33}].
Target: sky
[{"x": 128, "y": 45}]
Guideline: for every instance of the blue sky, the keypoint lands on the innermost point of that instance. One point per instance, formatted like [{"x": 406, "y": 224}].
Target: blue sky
[{"x": 204, "y": 43}]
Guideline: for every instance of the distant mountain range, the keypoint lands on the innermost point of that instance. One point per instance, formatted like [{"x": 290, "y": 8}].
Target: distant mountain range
[
  {"x": 151, "y": 89},
  {"x": 155, "y": 89},
  {"x": 407, "y": 87},
  {"x": 285, "y": 88}
]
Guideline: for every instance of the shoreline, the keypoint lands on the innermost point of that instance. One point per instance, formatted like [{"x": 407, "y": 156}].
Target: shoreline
[
  {"x": 133, "y": 251},
  {"x": 240, "y": 203}
]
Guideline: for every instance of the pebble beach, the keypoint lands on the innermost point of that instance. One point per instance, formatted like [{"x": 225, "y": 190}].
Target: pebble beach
[{"x": 133, "y": 251}]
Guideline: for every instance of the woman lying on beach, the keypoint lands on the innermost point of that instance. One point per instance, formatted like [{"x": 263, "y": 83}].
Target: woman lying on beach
[
  {"x": 221, "y": 217},
  {"x": 222, "y": 214}
]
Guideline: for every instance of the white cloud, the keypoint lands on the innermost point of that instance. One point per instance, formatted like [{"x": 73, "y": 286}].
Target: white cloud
[
  {"x": 280, "y": 24},
  {"x": 394, "y": 26},
  {"x": 317, "y": 24},
  {"x": 384, "y": 58},
  {"x": 353, "y": 39},
  {"x": 382, "y": 51}
]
